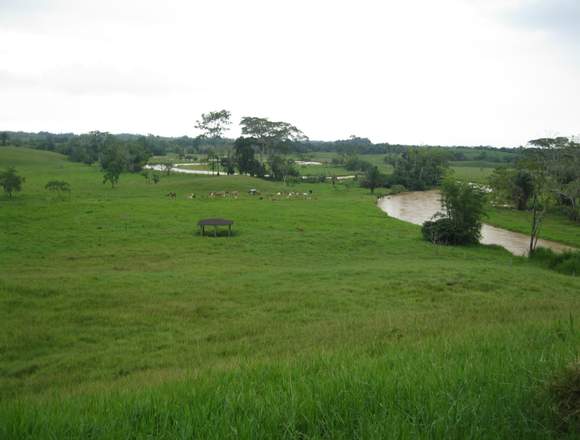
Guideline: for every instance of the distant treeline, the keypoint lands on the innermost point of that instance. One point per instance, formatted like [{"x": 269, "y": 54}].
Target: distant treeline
[{"x": 80, "y": 148}]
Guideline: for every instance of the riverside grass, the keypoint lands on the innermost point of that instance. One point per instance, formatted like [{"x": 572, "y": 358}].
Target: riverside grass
[{"x": 320, "y": 318}]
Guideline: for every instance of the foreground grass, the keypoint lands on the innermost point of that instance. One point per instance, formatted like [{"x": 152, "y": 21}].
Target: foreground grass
[
  {"x": 435, "y": 389},
  {"x": 319, "y": 318}
]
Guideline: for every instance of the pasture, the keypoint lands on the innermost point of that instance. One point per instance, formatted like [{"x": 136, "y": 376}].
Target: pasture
[{"x": 321, "y": 317}]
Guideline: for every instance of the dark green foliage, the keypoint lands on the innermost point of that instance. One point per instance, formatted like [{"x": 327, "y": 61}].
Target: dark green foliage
[
  {"x": 566, "y": 262},
  {"x": 113, "y": 163},
  {"x": 515, "y": 186},
  {"x": 10, "y": 181},
  {"x": 373, "y": 179},
  {"x": 282, "y": 168},
  {"x": 4, "y": 138},
  {"x": 272, "y": 137},
  {"x": 244, "y": 157},
  {"x": 523, "y": 188},
  {"x": 461, "y": 222},
  {"x": 441, "y": 231},
  {"x": 419, "y": 169},
  {"x": 354, "y": 163},
  {"x": 557, "y": 161},
  {"x": 228, "y": 164},
  {"x": 60, "y": 187},
  {"x": 397, "y": 189}
]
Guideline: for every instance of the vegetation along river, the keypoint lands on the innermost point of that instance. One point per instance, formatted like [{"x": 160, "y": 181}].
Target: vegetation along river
[{"x": 418, "y": 206}]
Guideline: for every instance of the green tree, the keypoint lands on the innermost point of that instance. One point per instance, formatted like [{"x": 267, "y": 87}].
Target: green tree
[
  {"x": 10, "y": 181},
  {"x": 228, "y": 164},
  {"x": 245, "y": 157},
  {"x": 4, "y": 138},
  {"x": 281, "y": 168},
  {"x": 167, "y": 166},
  {"x": 460, "y": 223},
  {"x": 214, "y": 162},
  {"x": 147, "y": 175},
  {"x": 373, "y": 179},
  {"x": 419, "y": 169},
  {"x": 113, "y": 162},
  {"x": 213, "y": 124},
  {"x": 515, "y": 186},
  {"x": 271, "y": 136},
  {"x": 59, "y": 187}
]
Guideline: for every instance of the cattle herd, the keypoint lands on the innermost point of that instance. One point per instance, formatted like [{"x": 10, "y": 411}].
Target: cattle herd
[{"x": 252, "y": 192}]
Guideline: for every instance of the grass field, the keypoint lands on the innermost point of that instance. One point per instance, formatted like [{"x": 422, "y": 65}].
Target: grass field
[{"x": 319, "y": 318}]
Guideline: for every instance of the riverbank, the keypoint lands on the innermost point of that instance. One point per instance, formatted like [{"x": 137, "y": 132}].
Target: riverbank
[
  {"x": 556, "y": 226},
  {"x": 420, "y": 206}
]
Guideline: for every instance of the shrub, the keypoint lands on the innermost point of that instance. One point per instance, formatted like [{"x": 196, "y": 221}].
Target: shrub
[
  {"x": 59, "y": 187},
  {"x": 461, "y": 222},
  {"x": 444, "y": 231},
  {"x": 566, "y": 262},
  {"x": 397, "y": 189}
]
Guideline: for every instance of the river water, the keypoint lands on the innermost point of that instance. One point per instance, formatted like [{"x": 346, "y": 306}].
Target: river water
[{"x": 417, "y": 207}]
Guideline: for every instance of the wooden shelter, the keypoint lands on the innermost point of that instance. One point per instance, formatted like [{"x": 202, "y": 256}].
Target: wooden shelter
[{"x": 215, "y": 222}]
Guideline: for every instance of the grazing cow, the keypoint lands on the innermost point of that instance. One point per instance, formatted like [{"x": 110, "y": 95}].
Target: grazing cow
[
  {"x": 171, "y": 195},
  {"x": 235, "y": 194}
]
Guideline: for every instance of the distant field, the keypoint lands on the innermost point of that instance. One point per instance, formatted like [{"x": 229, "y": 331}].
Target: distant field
[{"x": 319, "y": 318}]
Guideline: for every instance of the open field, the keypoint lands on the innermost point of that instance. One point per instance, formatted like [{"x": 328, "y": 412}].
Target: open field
[{"x": 319, "y": 318}]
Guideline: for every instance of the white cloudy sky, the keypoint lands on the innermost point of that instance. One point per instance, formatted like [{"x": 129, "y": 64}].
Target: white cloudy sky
[{"x": 468, "y": 72}]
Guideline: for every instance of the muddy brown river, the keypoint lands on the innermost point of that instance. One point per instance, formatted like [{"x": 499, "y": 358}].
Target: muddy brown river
[{"x": 417, "y": 207}]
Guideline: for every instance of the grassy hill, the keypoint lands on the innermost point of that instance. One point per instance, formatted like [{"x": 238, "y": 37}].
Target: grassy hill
[{"x": 319, "y": 318}]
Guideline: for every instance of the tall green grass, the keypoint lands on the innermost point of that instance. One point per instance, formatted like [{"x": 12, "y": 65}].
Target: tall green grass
[
  {"x": 482, "y": 385},
  {"x": 565, "y": 262},
  {"x": 319, "y": 318}
]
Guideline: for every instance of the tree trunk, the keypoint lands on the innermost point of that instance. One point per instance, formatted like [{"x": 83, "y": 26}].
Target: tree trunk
[{"x": 533, "y": 231}]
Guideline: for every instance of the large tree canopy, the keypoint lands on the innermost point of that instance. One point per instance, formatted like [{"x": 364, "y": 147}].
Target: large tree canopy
[
  {"x": 419, "y": 169},
  {"x": 271, "y": 135},
  {"x": 214, "y": 124},
  {"x": 10, "y": 181}
]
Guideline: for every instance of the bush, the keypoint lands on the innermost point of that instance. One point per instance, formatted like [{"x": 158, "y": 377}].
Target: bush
[
  {"x": 566, "y": 262},
  {"x": 397, "y": 189},
  {"x": 356, "y": 164},
  {"x": 461, "y": 222},
  {"x": 445, "y": 231},
  {"x": 59, "y": 187}
]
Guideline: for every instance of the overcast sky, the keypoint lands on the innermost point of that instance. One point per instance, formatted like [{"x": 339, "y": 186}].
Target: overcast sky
[{"x": 469, "y": 72}]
